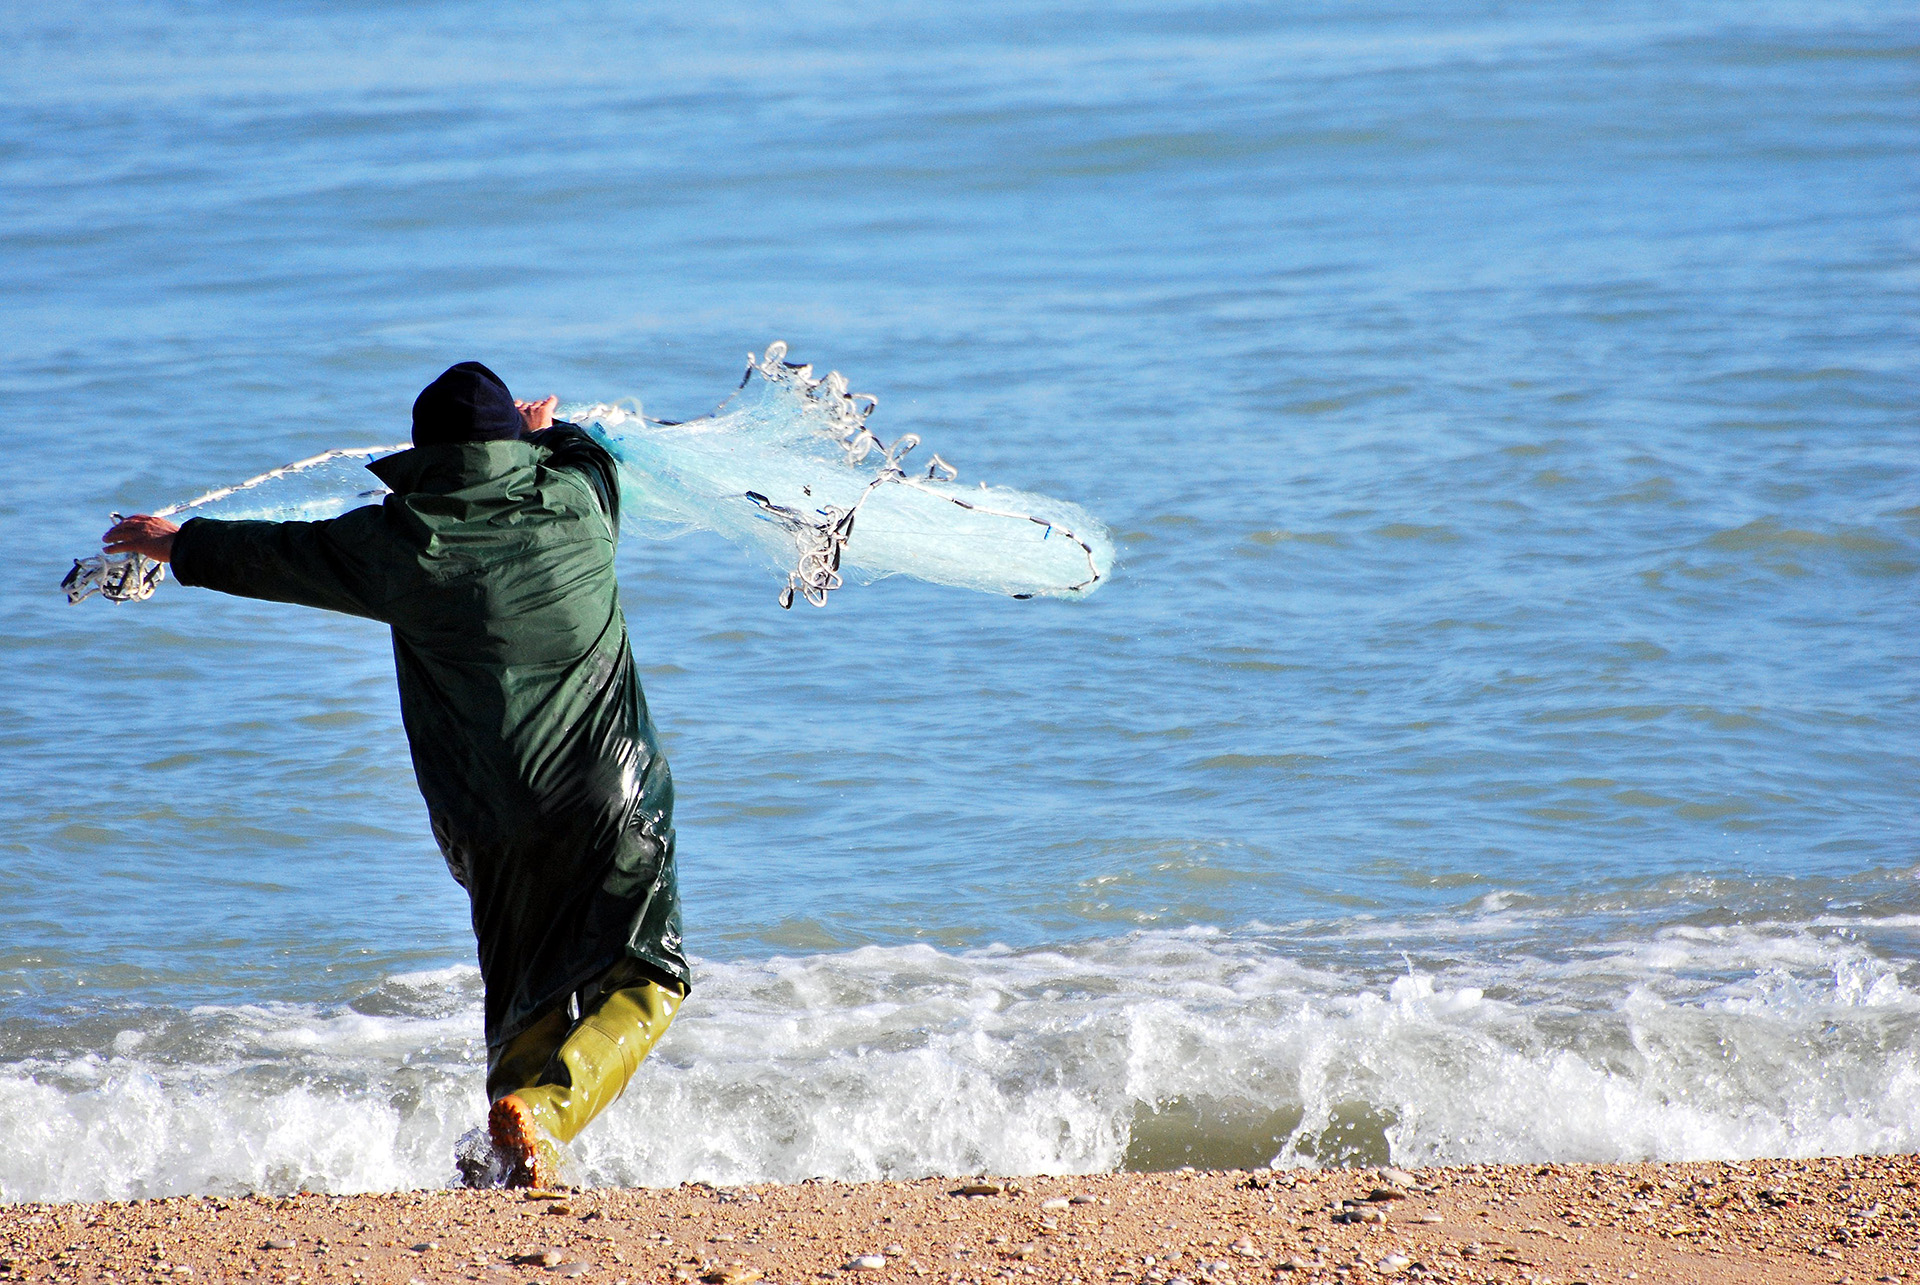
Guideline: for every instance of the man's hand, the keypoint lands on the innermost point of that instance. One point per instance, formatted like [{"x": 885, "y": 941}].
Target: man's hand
[
  {"x": 142, "y": 534},
  {"x": 539, "y": 415}
]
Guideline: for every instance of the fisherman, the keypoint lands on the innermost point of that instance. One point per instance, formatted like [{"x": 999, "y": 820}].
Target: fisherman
[{"x": 492, "y": 562}]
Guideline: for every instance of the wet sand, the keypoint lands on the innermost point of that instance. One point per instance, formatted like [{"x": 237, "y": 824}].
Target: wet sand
[{"x": 1851, "y": 1220}]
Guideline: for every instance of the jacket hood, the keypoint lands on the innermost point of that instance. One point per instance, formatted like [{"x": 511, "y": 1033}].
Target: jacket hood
[{"x": 452, "y": 466}]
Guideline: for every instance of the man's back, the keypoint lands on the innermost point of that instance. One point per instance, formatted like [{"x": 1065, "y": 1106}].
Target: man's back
[{"x": 493, "y": 564}]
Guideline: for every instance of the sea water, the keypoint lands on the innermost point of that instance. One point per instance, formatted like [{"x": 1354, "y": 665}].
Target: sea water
[{"x": 1498, "y": 742}]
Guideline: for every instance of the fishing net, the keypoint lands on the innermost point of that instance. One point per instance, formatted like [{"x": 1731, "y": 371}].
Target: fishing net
[{"x": 786, "y": 467}]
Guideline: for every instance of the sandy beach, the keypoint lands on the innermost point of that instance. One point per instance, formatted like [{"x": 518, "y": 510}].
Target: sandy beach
[{"x": 1833, "y": 1220}]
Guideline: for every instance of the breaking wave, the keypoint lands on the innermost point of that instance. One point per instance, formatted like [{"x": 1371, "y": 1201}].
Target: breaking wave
[{"x": 1147, "y": 1051}]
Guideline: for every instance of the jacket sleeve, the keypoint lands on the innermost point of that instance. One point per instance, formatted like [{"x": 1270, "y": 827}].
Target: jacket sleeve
[
  {"x": 572, "y": 448},
  {"x": 332, "y": 565}
]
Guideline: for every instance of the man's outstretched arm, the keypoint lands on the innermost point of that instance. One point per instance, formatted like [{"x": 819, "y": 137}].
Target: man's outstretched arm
[{"x": 314, "y": 564}]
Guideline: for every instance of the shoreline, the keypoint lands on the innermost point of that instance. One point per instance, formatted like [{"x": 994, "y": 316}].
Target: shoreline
[{"x": 1853, "y": 1219}]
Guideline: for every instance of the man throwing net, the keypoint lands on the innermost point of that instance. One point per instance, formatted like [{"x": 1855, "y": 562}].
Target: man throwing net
[{"x": 492, "y": 562}]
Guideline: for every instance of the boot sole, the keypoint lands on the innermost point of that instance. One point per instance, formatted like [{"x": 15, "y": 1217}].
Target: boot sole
[{"x": 517, "y": 1140}]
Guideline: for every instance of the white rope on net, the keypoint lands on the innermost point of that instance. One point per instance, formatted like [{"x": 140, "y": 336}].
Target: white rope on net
[{"x": 285, "y": 470}]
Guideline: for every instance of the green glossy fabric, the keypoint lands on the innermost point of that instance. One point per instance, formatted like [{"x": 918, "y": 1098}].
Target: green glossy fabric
[{"x": 493, "y": 564}]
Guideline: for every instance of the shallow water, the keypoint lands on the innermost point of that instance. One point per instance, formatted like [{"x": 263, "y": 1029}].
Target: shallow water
[{"x": 1499, "y": 740}]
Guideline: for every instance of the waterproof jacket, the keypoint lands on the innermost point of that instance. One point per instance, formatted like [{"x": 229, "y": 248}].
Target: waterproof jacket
[{"x": 550, "y": 799}]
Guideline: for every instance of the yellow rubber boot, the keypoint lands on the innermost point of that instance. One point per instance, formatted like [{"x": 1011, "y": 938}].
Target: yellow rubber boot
[
  {"x": 581, "y": 1078},
  {"x": 525, "y": 1057},
  {"x": 599, "y": 1056},
  {"x": 530, "y": 1159}
]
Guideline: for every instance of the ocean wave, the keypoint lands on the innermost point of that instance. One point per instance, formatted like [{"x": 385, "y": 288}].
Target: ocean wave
[{"x": 1150, "y": 1050}]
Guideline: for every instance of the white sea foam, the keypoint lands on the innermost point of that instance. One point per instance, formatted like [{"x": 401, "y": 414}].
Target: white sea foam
[{"x": 1151, "y": 1050}]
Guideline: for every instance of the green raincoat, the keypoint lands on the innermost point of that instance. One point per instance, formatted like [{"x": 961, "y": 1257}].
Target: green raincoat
[{"x": 493, "y": 564}]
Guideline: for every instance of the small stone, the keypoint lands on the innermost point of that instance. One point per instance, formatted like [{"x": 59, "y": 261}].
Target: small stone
[
  {"x": 181, "y": 1269},
  {"x": 895, "y": 1250},
  {"x": 1058, "y": 1202},
  {"x": 1473, "y": 1250},
  {"x": 1295, "y": 1263},
  {"x": 1393, "y": 1264},
  {"x": 1399, "y": 1177},
  {"x": 1387, "y": 1193},
  {"x": 559, "y": 1207},
  {"x": 426, "y": 1245},
  {"x": 1082, "y": 1199},
  {"x": 278, "y": 1244},
  {"x": 415, "y": 1280},
  {"x": 979, "y": 1189},
  {"x": 1432, "y": 1220},
  {"x": 867, "y": 1263},
  {"x": 539, "y": 1193},
  {"x": 573, "y": 1269}
]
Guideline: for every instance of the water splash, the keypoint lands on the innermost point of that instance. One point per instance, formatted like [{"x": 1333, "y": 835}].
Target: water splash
[{"x": 1146, "y": 1051}]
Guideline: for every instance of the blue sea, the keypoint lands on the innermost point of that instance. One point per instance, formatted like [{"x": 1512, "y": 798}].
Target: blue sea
[{"x": 1499, "y": 739}]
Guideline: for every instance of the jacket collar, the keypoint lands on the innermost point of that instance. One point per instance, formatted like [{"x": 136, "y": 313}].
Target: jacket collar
[{"x": 452, "y": 466}]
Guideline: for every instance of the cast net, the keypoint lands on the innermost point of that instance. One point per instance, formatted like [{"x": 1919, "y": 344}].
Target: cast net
[{"x": 786, "y": 467}]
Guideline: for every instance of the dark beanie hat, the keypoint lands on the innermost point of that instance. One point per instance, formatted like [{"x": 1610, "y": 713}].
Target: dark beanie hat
[{"x": 468, "y": 403}]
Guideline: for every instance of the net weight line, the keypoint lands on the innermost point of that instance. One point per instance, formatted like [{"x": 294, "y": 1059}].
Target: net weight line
[
  {"x": 117, "y": 577},
  {"x": 822, "y": 540}
]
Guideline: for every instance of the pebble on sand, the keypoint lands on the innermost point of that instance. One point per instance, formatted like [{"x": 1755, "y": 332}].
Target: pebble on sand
[{"x": 1705, "y": 1222}]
